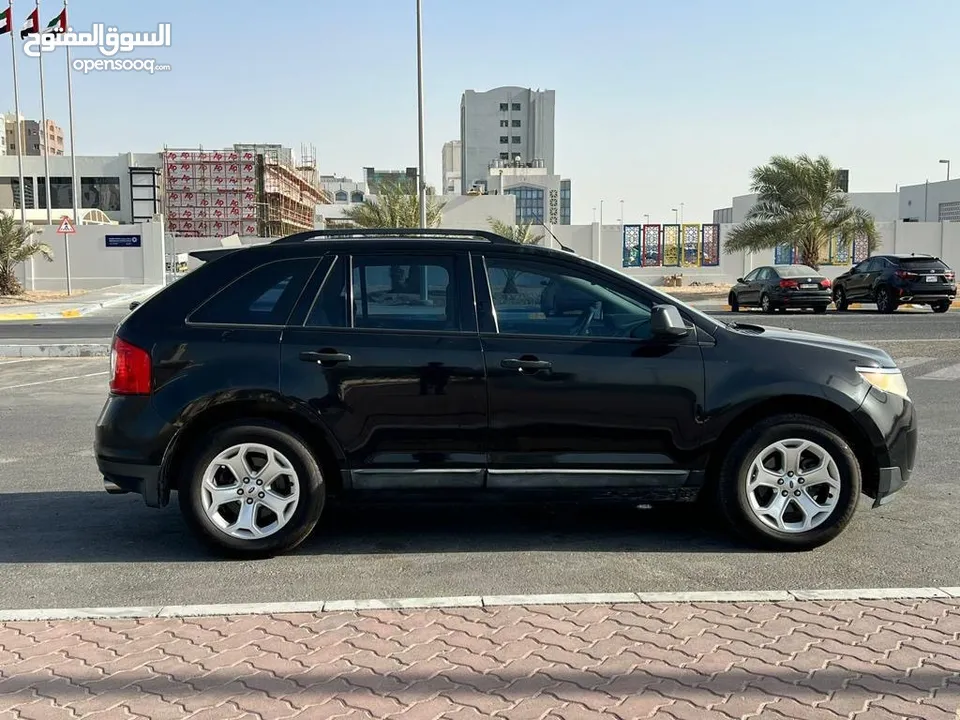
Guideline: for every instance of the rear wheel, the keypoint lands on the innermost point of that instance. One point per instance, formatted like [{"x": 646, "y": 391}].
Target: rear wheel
[
  {"x": 886, "y": 303},
  {"x": 733, "y": 302},
  {"x": 819, "y": 309},
  {"x": 766, "y": 304},
  {"x": 941, "y": 307},
  {"x": 840, "y": 299},
  {"x": 790, "y": 482},
  {"x": 253, "y": 489}
]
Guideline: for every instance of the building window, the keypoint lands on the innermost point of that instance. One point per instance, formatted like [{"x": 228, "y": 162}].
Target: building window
[
  {"x": 340, "y": 196},
  {"x": 529, "y": 203},
  {"x": 10, "y": 193},
  {"x": 504, "y": 139},
  {"x": 505, "y": 156},
  {"x": 503, "y": 107},
  {"x": 102, "y": 193},
  {"x": 516, "y": 107},
  {"x": 504, "y": 123},
  {"x": 516, "y": 139},
  {"x": 516, "y": 123},
  {"x": 61, "y": 193},
  {"x": 356, "y": 197}
]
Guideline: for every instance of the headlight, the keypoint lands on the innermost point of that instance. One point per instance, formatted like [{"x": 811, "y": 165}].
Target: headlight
[{"x": 887, "y": 379}]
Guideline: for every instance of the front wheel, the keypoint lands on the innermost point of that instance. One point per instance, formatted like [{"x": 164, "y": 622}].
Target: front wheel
[
  {"x": 940, "y": 307},
  {"x": 733, "y": 302},
  {"x": 840, "y": 299},
  {"x": 252, "y": 489},
  {"x": 791, "y": 482}
]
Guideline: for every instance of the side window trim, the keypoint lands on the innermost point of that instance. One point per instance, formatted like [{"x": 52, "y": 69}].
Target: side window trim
[
  {"x": 304, "y": 312},
  {"x": 200, "y": 323}
]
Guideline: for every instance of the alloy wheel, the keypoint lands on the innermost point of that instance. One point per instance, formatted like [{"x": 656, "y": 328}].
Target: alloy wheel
[
  {"x": 793, "y": 486},
  {"x": 250, "y": 491}
]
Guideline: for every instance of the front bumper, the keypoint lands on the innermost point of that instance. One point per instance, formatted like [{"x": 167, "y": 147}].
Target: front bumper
[{"x": 891, "y": 422}]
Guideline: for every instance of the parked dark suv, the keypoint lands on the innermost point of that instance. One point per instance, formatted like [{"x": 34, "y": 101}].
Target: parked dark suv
[
  {"x": 892, "y": 280},
  {"x": 419, "y": 364}
]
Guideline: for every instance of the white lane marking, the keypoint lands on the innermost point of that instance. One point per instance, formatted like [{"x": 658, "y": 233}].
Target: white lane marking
[
  {"x": 909, "y": 362},
  {"x": 14, "y": 362},
  {"x": 47, "y": 382},
  {"x": 8, "y": 460},
  {"x": 320, "y": 606},
  {"x": 951, "y": 372}
]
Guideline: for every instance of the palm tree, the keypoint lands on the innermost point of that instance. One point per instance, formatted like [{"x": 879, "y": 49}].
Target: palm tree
[
  {"x": 16, "y": 247},
  {"x": 396, "y": 206},
  {"x": 800, "y": 203},
  {"x": 522, "y": 234}
]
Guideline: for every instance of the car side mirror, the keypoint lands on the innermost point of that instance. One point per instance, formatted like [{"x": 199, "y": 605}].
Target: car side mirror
[
  {"x": 740, "y": 280},
  {"x": 666, "y": 322},
  {"x": 134, "y": 305}
]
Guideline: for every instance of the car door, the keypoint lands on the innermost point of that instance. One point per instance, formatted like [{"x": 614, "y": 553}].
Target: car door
[
  {"x": 858, "y": 282},
  {"x": 586, "y": 399},
  {"x": 395, "y": 373},
  {"x": 746, "y": 291},
  {"x": 760, "y": 282}
]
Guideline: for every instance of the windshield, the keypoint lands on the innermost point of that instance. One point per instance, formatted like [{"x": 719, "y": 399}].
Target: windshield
[
  {"x": 796, "y": 271},
  {"x": 925, "y": 262}
]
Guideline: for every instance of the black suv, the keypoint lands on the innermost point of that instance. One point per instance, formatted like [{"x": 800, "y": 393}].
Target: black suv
[
  {"x": 892, "y": 280},
  {"x": 420, "y": 364}
]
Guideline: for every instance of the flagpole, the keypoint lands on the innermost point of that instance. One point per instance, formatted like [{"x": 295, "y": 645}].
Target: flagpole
[
  {"x": 16, "y": 109},
  {"x": 73, "y": 146},
  {"x": 46, "y": 138}
]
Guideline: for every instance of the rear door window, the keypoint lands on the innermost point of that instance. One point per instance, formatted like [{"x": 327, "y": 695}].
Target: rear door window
[{"x": 264, "y": 296}]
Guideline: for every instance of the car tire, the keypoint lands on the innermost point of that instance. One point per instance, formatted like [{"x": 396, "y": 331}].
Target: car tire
[
  {"x": 767, "y": 304},
  {"x": 300, "y": 469},
  {"x": 746, "y": 517},
  {"x": 733, "y": 302},
  {"x": 819, "y": 309},
  {"x": 941, "y": 307},
  {"x": 840, "y": 299},
  {"x": 885, "y": 300}
]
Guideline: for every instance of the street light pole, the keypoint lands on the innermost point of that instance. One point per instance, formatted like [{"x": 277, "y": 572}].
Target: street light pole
[
  {"x": 676, "y": 220},
  {"x": 421, "y": 182},
  {"x": 947, "y": 163},
  {"x": 681, "y": 213}
]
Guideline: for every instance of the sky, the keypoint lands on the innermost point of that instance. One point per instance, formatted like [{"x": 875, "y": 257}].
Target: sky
[{"x": 658, "y": 102}]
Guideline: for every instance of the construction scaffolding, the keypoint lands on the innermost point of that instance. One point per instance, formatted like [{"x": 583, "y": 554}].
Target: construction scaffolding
[{"x": 249, "y": 190}]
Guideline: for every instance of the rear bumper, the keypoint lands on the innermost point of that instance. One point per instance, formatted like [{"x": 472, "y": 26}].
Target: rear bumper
[
  {"x": 803, "y": 299},
  {"x": 120, "y": 478}
]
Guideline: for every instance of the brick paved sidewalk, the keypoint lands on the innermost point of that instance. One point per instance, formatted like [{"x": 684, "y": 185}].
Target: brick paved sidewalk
[{"x": 870, "y": 660}]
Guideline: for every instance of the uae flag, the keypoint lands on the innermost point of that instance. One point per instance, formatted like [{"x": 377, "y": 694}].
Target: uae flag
[
  {"x": 31, "y": 25},
  {"x": 5, "y": 26},
  {"x": 58, "y": 24}
]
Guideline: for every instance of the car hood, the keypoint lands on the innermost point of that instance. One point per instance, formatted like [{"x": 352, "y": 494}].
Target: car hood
[{"x": 869, "y": 355}]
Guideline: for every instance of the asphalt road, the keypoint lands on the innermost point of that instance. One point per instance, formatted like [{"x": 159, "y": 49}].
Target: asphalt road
[{"x": 65, "y": 543}]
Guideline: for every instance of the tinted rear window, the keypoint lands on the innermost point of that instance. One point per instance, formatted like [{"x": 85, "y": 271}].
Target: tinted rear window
[
  {"x": 797, "y": 271},
  {"x": 263, "y": 296},
  {"x": 922, "y": 262}
]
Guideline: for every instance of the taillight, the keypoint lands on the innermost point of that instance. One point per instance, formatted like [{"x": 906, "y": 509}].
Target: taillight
[
  {"x": 949, "y": 277},
  {"x": 905, "y": 275},
  {"x": 789, "y": 284},
  {"x": 825, "y": 283},
  {"x": 130, "y": 369}
]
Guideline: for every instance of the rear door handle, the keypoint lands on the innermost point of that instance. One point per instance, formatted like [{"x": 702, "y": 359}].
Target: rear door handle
[
  {"x": 523, "y": 364},
  {"x": 328, "y": 357}
]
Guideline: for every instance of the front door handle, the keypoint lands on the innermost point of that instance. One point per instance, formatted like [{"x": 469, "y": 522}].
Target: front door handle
[
  {"x": 325, "y": 357},
  {"x": 525, "y": 364}
]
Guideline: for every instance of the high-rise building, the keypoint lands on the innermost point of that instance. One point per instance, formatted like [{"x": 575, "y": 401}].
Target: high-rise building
[
  {"x": 34, "y": 141},
  {"x": 511, "y": 124},
  {"x": 452, "y": 166}
]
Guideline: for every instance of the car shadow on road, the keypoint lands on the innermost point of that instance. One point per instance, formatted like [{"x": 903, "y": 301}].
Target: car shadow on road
[{"x": 79, "y": 527}]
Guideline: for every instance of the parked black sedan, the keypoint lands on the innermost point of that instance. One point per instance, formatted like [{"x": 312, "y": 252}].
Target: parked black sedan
[{"x": 778, "y": 287}]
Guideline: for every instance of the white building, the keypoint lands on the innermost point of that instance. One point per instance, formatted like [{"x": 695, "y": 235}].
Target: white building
[
  {"x": 452, "y": 165},
  {"x": 930, "y": 202},
  {"x": 343, "y": 190},
  {"x": 507, "y": 123},
  {"x": 125, "y": 187},
  {"x": 541, "y": 196},
  {"x": 884, "y": 206}
]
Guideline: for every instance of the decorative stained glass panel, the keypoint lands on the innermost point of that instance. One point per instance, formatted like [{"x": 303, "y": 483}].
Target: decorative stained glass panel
[
  {"x": 783, "y": 255},
  {"x": 710, "y": 246},
  {"x": 652, "y": 255},
  {"x": 671, "y": 245},
  {"x": 631, "y": 245},
  {"x": 691, "y": 244},
  {"x": 861, "y": 248}
]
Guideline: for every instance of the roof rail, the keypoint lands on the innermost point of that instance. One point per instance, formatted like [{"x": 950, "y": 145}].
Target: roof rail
[{"x": 393, "y": 232}]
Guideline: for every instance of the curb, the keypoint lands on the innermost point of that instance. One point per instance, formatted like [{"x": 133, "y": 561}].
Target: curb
[
  {"x": 62, "y": 350},
  {"x": 82, "y": 309},
  {"x": 477, "y": 601}
]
